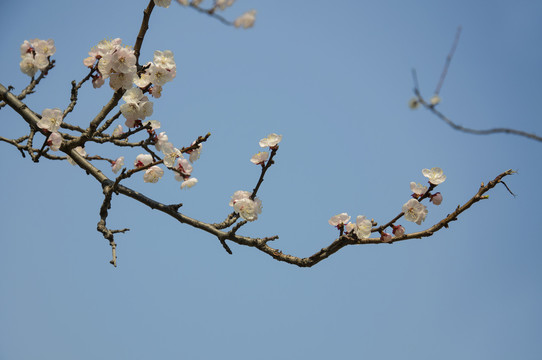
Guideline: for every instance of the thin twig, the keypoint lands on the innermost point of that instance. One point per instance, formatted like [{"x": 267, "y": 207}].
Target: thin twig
[{"x": 448, "y": 61}]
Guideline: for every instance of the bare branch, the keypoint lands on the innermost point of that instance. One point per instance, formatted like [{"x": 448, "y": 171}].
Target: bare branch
[
  {"x": 448, "y": 61},
  {"x": 431, "y": 106},
  {"x": 29, "y": 89}
]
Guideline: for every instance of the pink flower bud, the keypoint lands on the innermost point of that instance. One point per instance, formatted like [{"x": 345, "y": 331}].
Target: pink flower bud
[
  {"x": 398, "y": 230},
  {"x": 385, "y": 237},
  {"x": 436, "y": 198}
]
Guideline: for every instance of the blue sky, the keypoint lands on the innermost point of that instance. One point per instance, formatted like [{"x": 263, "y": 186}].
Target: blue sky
[{"x": 334, "y": 79}]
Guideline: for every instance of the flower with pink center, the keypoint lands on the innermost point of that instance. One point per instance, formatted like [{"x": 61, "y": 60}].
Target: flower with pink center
[
  {"x": 195, "y": 153},
  {"x": 185, "y": 169},
  {"x": 248, "y": 209},
  {"x": 142, "y": 160},
  {"x": 54, "y": 141},
  {"x": 339, "y": 220},
  {"x": 238, "y": 195},
  {"x": 97, "y": 81}
]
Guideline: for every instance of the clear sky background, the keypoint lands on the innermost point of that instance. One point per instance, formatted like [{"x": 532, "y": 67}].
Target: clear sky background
[{"x": 334, "y": 78}]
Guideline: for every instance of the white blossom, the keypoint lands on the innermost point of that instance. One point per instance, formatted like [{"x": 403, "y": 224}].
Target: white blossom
[
  {"x": 97, "y": 81},
  {"x": 246, "y": 20},
  {"x": 434, "y": 175},
  {"x": 223, "y": 4},
  {"x": 238, "y": 195},
  {"x": 418, "y": 189},
  {"x": 259, "y": 158},
  {"x": 117, "y": 164},
  {"x": 54, "y": 141},
  {"x": 184, "y": 168},
  {"x": 414, "y": 211},
  {"x": 194, "y": 154},
  {"x": 153, "y": 174},
  {"x": 154, "y": 124},
  {"x": 137, "y": 105},
  {"x": 121, "y": 80},
  {"x": 271, "y": 140},
  {"x": 248, "y": 209},
  {"x": 118, "y": 131},
  {"x": 435, "y": 99},
  {"x": 171, "y": 153},
  {"x": 164, "y": 59},
  {"x": 161, "y": 140},
  {"x": 155, "y": 91},
  {"x": 363, "y": 227},
  {"x": 28, "y": 66},
  {"x": 189, "y": 183},
  {"x": 45, "y": 47},
  {"x": 159, "y": 75},
  {"x": 162, "y": 3},
  {"x": 339, "y": 220},
  {"x": 124, "y": 61},
  {"x": 50, "y": 119}
]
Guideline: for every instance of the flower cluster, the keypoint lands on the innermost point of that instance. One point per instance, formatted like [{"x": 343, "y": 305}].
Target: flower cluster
[
  {"x": 243, "y": 205},
  {"x": 413, "y": 209},
  {"x": 362, "y": 227},
  {"x": 50, "y": 122},
  {"x": 115, "y": 61},
  {"x": 271, "y": 141},
  {"x": 153, "y": 173},
  {"x": 35, "y": 55},
  {"x": 137, "y": 107}
]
